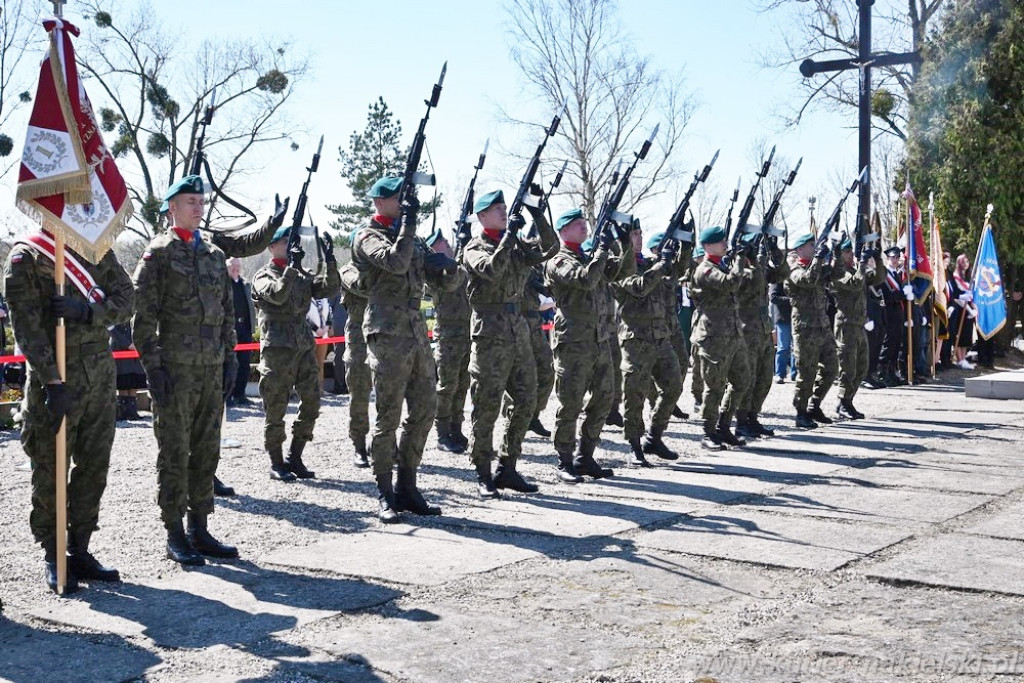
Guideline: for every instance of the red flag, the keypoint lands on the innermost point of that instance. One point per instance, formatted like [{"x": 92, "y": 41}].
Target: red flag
[
  {"x": 919, "y": 266},
  {"x": 68, "y": 181}
]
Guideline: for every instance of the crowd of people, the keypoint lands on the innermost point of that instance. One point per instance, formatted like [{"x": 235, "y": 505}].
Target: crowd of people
[{"x": 630, "y": 319}]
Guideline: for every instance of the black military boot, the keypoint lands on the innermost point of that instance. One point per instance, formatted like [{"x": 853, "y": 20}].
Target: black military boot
[
  {"x": 846, "y": 405},
  {"x": 278, "y": 470},
  {"x": 201, "y": 539},
  {"x": 566, "y": 470},
  {"x": 678, "y": 413},
  {"x": 876, "y": 380},
  {"x": 179, "y": 548},
  {"x": 639, "y": 459},
  {"x": 132, "y": 408},
  {"x": 711, "y": 441},
  {"x": 294, "y": 460},
  {"x": 816, "y": 414},
  {"x": 444, "y": 437},
  {"x": 221, "y": 489},
  {"x": 485, "y": 487},
  {"x": 82, "y": 562},
  {"x": 614, "y": 418},
  {"x": 50, "y": 559},
  {"x": 653, "y": 444},
  {"x": 841, "y": 411},
  {"x": 387, "y": 514},
  {"x": 408, "y": 498},
  {"x": 361, "y": 458},
  {"x": 457, "y": 437},
  {"x": 725, "y": 434},
  {"x": 585, "y": 464},
  {"x": 743, "y": 426},
  {"x": 804, "y": 421},
  {"x": 537, "y": 428},
  {"x": 755, "y": 423},
  {"x": 122, "y": 409},
  {"x": 506, "y": 477}
]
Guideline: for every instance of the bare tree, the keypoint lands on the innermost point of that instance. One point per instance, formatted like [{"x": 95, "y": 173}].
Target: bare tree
[
  {"x": 155, "y": 96},
  {"x": 18, "y": 37},
  {"x": 828, "y": 29},
  {"x": 575, "y": 51}
]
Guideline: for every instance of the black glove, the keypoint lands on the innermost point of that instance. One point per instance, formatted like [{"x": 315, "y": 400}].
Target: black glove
[
  {"x": 58, "y": 403},
  {"x": 72, "y": 310},
  {"x": 463, "y": 236},
  {"x": 516, "y": 222},
  {"x": 669, "y": 250},
  {"x": 822, "y": 251},
  {"x": 436, "y": 263},
  {"x": 865, "y": 256},
  {"x": 606, "y": 239},
  {"x": 161, "y": 386},
  {"x": 230, "y": 374},
  {"x": 277, "y": 220},
  {"x": 410, "y": 211},
  {"x": 295, "y": 255},
  {"x": 327, "y": 246}
]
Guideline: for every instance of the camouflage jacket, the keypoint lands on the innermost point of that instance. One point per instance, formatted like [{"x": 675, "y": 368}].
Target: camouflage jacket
[
  {"x": 282, "y": 295},
  {"x": 451, "y": 312},
  {"x": 805, "y": 286},
  {"x": 717, "y": 290},
  {"x": 242, "y": 243},
  {"x": 184, "y": 309},
  {"x": 667, "y": 290},
  {"x": 29, "y": 285},
  {"x": 353, "y": 296},
  {"x": 391, "y": 269},
  {"x": 753, "y": 293},
  {"x": 579, "y": 284},
  {"x": 498, "y": 272},
  {"x": 850, "y": 287},
  {"x": 641, "y": 308}
]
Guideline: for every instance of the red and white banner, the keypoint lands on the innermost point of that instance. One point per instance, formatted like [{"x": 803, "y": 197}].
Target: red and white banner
[{"x": 68, "y": 182}]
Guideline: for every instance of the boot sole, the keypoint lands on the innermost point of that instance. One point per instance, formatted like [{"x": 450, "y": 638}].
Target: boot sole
[{"x": 187, "y": 562}]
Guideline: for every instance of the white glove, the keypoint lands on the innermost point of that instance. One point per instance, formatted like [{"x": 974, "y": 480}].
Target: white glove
[
  {"x": 908, "y": 292},
  {"x": 869, "y": 325},
  {"x": 924, "y": 321},
  {"x": 966, "y": 296}
]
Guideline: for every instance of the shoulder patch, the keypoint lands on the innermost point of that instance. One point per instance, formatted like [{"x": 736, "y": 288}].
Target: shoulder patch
[
  {"x": 17, "y": 258},
  {"x": 148, "y": 256}
]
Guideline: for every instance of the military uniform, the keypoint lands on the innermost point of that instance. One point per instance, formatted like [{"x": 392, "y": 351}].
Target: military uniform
[
  {"x": 540, "y": 343},
  {"x": 90, "y": 381},
  {"x": 452, "y": 353},
  {"x": 850, "y": 287},
  {"x": 357, "y": 371}
]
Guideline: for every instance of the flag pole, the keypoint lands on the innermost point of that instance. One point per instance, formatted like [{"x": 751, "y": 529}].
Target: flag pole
[
  {"x": 974, "y": 269},
  {"x": 931, "y": 252},
  {"x": 909, "y": 303}
]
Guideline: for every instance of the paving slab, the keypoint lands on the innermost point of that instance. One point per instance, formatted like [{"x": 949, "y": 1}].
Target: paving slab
[
  {"x": 679, "y": 485},
  {"x": 998, "y": 385},
  {"x": 1007, "y": 522},
  {"x": 870, "y": 504},
  {"x": 940, "y": 477},
  {"x": 953, "y": 419},
  {"x": 760, "y": 465},
  {"x": 415, "y": 555},
  {"x": 844, "y": 449},
  {"x": 221, "y": 604},
  {"x": 777, "y": 540},
  {"x": 959, "y": 561}
]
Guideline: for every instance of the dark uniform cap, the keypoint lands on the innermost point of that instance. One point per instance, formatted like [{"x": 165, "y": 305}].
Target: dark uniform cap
[
  {"x": 655, "y": 240},
  {"x": 190, "y": 184},
  {"x": 802, "y": 240},
  {"x": 712, "y": 235},
  {"x": 893, "y": 251},
  {"x": 567, "y": 218},
  {"x": 388, "y": 186},
  {"x": 488, "y": 200}
]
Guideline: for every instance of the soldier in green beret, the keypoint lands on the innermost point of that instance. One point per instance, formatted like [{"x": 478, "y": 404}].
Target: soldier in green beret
[
  {"x": 357, "y": 371},
  {"x": 282, "y": 291},
  {"x": 394, "y": 269},
  {"x": 850, "y": 283},
  {"x": 185, "y": 333},
  {"x": 696, "y": 376}
]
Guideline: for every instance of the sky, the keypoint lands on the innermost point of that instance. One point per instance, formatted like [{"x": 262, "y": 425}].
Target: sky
[{"x": 359, "y": 52}]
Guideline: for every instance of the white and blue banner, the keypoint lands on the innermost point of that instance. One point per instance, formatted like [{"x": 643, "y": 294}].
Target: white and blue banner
[{"x": 989, "y": 296}]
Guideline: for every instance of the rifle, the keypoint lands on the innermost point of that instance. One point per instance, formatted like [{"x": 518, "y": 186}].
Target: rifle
[
  {"x": 732, "y": 205},
  {"x": 523, "y": 192},
  {"x": 412, "y": 176},
  {"x": 462, "y": 229},
  {"x": 768, "y": 223},
  {"x": 610, "y": 215},
  {"x": 551, "y": 190},
  {"x": 294, "y": 235},
  {"x": 748, "y": 204},
  {"x": 675, "y": 230},
  {"x": 860, "y": 239},
  {"x": 833, "y": 220}
]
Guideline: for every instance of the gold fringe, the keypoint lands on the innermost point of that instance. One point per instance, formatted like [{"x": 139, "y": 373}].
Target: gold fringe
[
  {"x": 77, "y": 196},
  {"x": 70, "y": 122},
  {"x": 76, "y": 182},
  {"x": 90, "y": 251}
]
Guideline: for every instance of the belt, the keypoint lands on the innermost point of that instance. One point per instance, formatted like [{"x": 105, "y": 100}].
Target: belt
[
  {"x": 507, "y": 307},
  {"x": 201, "y": 331},
  {"x": 412, "y": 302}
]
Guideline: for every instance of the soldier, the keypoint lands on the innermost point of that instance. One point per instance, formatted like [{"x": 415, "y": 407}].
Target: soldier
[
  {"x": 895, "y": 320},
  {"x": 696, "y": 376},
  {"x": 719, "y": 334},
  {"x": 767, "y": 265},
  {"x": 649, "y": 363},
  {"x": 498, "y": 264},
  {"x": 540, "y": 342},
  {"x": 850, "y": 284},
  {"x": 451, "y": 333},
  {"x": 357, "y": 371},
  {"x": 185, "y": 332},
  {"x": 817, "y": 364},
  {"x": 245, "y": 243},
  {"x": 584, "y": 325},
  {"x": 281, "y": 291},
  {"x": 85, "y": 397},
  {"x": 393, "y": 268}
]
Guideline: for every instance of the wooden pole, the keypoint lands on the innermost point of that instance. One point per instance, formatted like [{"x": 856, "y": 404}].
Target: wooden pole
[
  {"x": 61, "y": 468},
  {"x": 909, "y": 302}
]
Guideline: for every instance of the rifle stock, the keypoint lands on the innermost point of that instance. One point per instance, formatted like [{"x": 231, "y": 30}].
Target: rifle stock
[
  {"x": 748, "y": 203},
  {"x": 522, "y": 193},
  {"x": 462, "y": 227},
  {"x": 412, "y": 176},
  {"x": 294, "y": 235},
  {"x": 833, "y": 220}
]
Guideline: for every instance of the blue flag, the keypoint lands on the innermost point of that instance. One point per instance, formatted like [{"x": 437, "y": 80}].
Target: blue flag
[{"x": 988, "y": 287}]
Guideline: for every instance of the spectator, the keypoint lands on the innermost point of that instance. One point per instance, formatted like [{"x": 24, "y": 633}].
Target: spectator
[
  {"x": 130, "y": 375},
  {"x": 319, "y": 318},
  {"x": 339, "y": 316},
  {"x": 781, "y": 312}
]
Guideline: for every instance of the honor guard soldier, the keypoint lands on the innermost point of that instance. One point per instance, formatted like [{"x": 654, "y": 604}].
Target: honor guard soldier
[
  {"x": 281, "y": 291},
  {"x": 850, "y": 283},
  {"x": 184, "y": 330},
  {"x": 394, "y": 268},
  {"x": 357, "y": 372},
  {"x": 101, "y": 296}
]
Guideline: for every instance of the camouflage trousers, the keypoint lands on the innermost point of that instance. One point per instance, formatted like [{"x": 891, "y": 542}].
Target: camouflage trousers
[
  {"x": 90, "y": 435},
  {"x": 650, "y": 369},
  {"x": 282, "y": 368},
  {"x": 817, "y": 366},
  {"x": 722, "y": 363},
  {"x": 852, "y": 341},
  {"x": 403, "y": 373},
  {"x": 545, "y": 361},
  {"x": 187, "y": 430},
  {"x": 696, "y": 376},
  {"x": 452, "y": 357},
  {"x": 616, "y": 351},
  {"x": 497, "y": 366},
  {"x": 679, "y": 345},
  {"x": 760, "y": 353},
  {"x": 360, "y": 382},
  {"x": 582, "y": 367}
]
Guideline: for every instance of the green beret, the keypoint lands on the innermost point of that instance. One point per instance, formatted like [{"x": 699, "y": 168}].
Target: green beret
[
  {"x": 655, "y": 240},
  {"x": 846, "y": 245},
  {"x": 712, "y": 235},
  {"x": 433, "y": 237},
  {"x": 281, "y": 233},
  {"x": 802, "y": 240},
  {"x": 190, "y": 184},
  {"x": 567, "y": 218},
  {"x": 488, "y": 200},
  {"x": 388, "y": 186},
  {"x": 749, "y": 237},
  {"x": 698, "y": 251}
]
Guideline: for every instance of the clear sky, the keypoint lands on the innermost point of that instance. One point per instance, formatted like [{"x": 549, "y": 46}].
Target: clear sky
[{"x": 361, "y": 50}]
